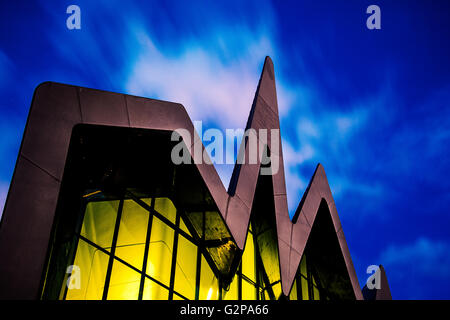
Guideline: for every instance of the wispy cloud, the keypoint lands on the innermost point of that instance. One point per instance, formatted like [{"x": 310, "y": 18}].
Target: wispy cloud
[
  {"x": 196, "y": 77},
  {"x": 329, "y": 134},
  {"x": 217, "y": 91}
]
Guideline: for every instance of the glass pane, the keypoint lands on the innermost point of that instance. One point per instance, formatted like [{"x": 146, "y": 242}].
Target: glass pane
[
  {"x": 92, "y": 265},
  {"x": 132, "y": 234},
  {"x": 315, "y": 289},
  {"x": 248, "y": 258},
  {"x": 260, "y": 293},
  {"x": 209, "y": 285},
  {"x": 316, "y": 294},
  {"x": 305, "y": 292},
  {"x": 248, "y": 291},
  {"x": 232, "y": 293},
  {"x": 185, "y": 273},
  {"x": 303, "y": 266},
  {"x": 124, "y": 283},
  {"x": 153, "y": 291},
  {"x": 277, "y": 290},
  {"x": 268, "y": 251},
  {"x": 293, "y": 294},
  {"x": 159, "y": 261},
  {"x": 265, "y": 295},
  {"x": 215, "y": 228},
  {"x": 184, "y": 228},
  {"x": 196, "y": 219},
  {"x": 165, "y": 207},
  {"x": 98, "y": 223}
]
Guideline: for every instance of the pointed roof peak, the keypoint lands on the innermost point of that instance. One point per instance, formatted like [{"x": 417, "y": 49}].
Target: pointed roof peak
[
  {"x": 266, "y": 87},
  {"x": 268, "y": 68}
]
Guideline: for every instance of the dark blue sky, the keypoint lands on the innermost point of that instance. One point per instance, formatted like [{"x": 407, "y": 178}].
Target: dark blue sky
[{"x": 371, "y": 105}]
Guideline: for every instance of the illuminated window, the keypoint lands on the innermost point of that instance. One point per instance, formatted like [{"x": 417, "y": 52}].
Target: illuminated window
[
  {"x": 305, "y": 286},
  {"x": 144, "y": 229},
  {"x": 293, "y": 295},
  {"x": 209, "y": 285},
  {"x": 144, "y": 248},
  {"x": 186, "y": 268}
]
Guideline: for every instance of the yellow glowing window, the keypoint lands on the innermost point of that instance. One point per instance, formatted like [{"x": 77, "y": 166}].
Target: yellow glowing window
[
  {"x": 159, "y": 259},
  {"x": 124, "y": 283},
  {"x": 315, "y": 290},
  {"x": 98, "y": 223},
  {"x": 186, "y": 268},
  {"x": 153, "y": 291},
  {"x": 316, "y": 293},
  {"x": 265, "y": 295},
  {"x": 166, "y": 208},
  {"x": 277, "y": 290},
  {"x": 305, "y": 292},
  {"x": 184, "y": 228},
  {"x": 303, "y": 267},
  {"x": 248, "y": 291},
  {"x": 92, "y": 265},
  {"x": 181, "y": 272},
  {"x": 132, "y": 233},
  {"x": 293, "y": 293},
  {"x": 209, "y": 285},
  {"x": 176, "y": 297},
  {"x": 248, "y": 259},
  {"x": 232, "y": 293}
]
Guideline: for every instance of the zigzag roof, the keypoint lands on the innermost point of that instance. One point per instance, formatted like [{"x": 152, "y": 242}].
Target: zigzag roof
[{"x": 42, "y": 159}]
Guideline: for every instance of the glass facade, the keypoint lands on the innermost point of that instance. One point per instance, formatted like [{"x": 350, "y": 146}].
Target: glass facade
[
  {"x": 139, "y": 249},
  {"x": 137, "y": 227},
  {"x": 306, "y": 285},
  {"x": 143, "y": 248}
]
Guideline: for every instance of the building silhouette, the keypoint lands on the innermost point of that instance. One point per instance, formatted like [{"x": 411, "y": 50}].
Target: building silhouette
[{"x": 94, "y": 187}]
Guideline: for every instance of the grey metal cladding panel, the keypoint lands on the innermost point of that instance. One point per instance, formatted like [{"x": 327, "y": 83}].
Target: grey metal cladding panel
[
  {"x": 104, "y": 108},
  {"x": 311, "y": 204},
  {"x": 247, "y": 184},
  {"x": 284, "y": 224},
  {"x": 53, "y": 114},
  {"x": 238, "y": 218},
  {"x": 215, "y": 186},
  {"x": 349, "y": 264},
  {"x": 267, "y": 86},
  {"x": 384, "y": 293},
  {"x": 284, "y": 250},
  {"x": 156, "y": 114},
  {"x": 25, "y": 231},
  {"x": 300, "y": 233}
]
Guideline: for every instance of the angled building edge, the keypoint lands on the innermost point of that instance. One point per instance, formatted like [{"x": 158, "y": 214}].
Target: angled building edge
[{"x": 58, "y": 110}]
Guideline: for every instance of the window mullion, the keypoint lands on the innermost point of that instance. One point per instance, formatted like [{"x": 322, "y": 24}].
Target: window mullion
[
  {"x": 113, "y": 250},
  {"x": 174, "y": 257},
  {"x": 147, "y": 245}
]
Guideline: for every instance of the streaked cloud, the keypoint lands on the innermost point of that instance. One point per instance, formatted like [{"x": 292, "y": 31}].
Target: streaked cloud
[
  {"x": 197, "y": 77},
  {"x": 411, "y": 264},
  {"x": 373, "y": 110},
  {"x": 217, "y": 91}
]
